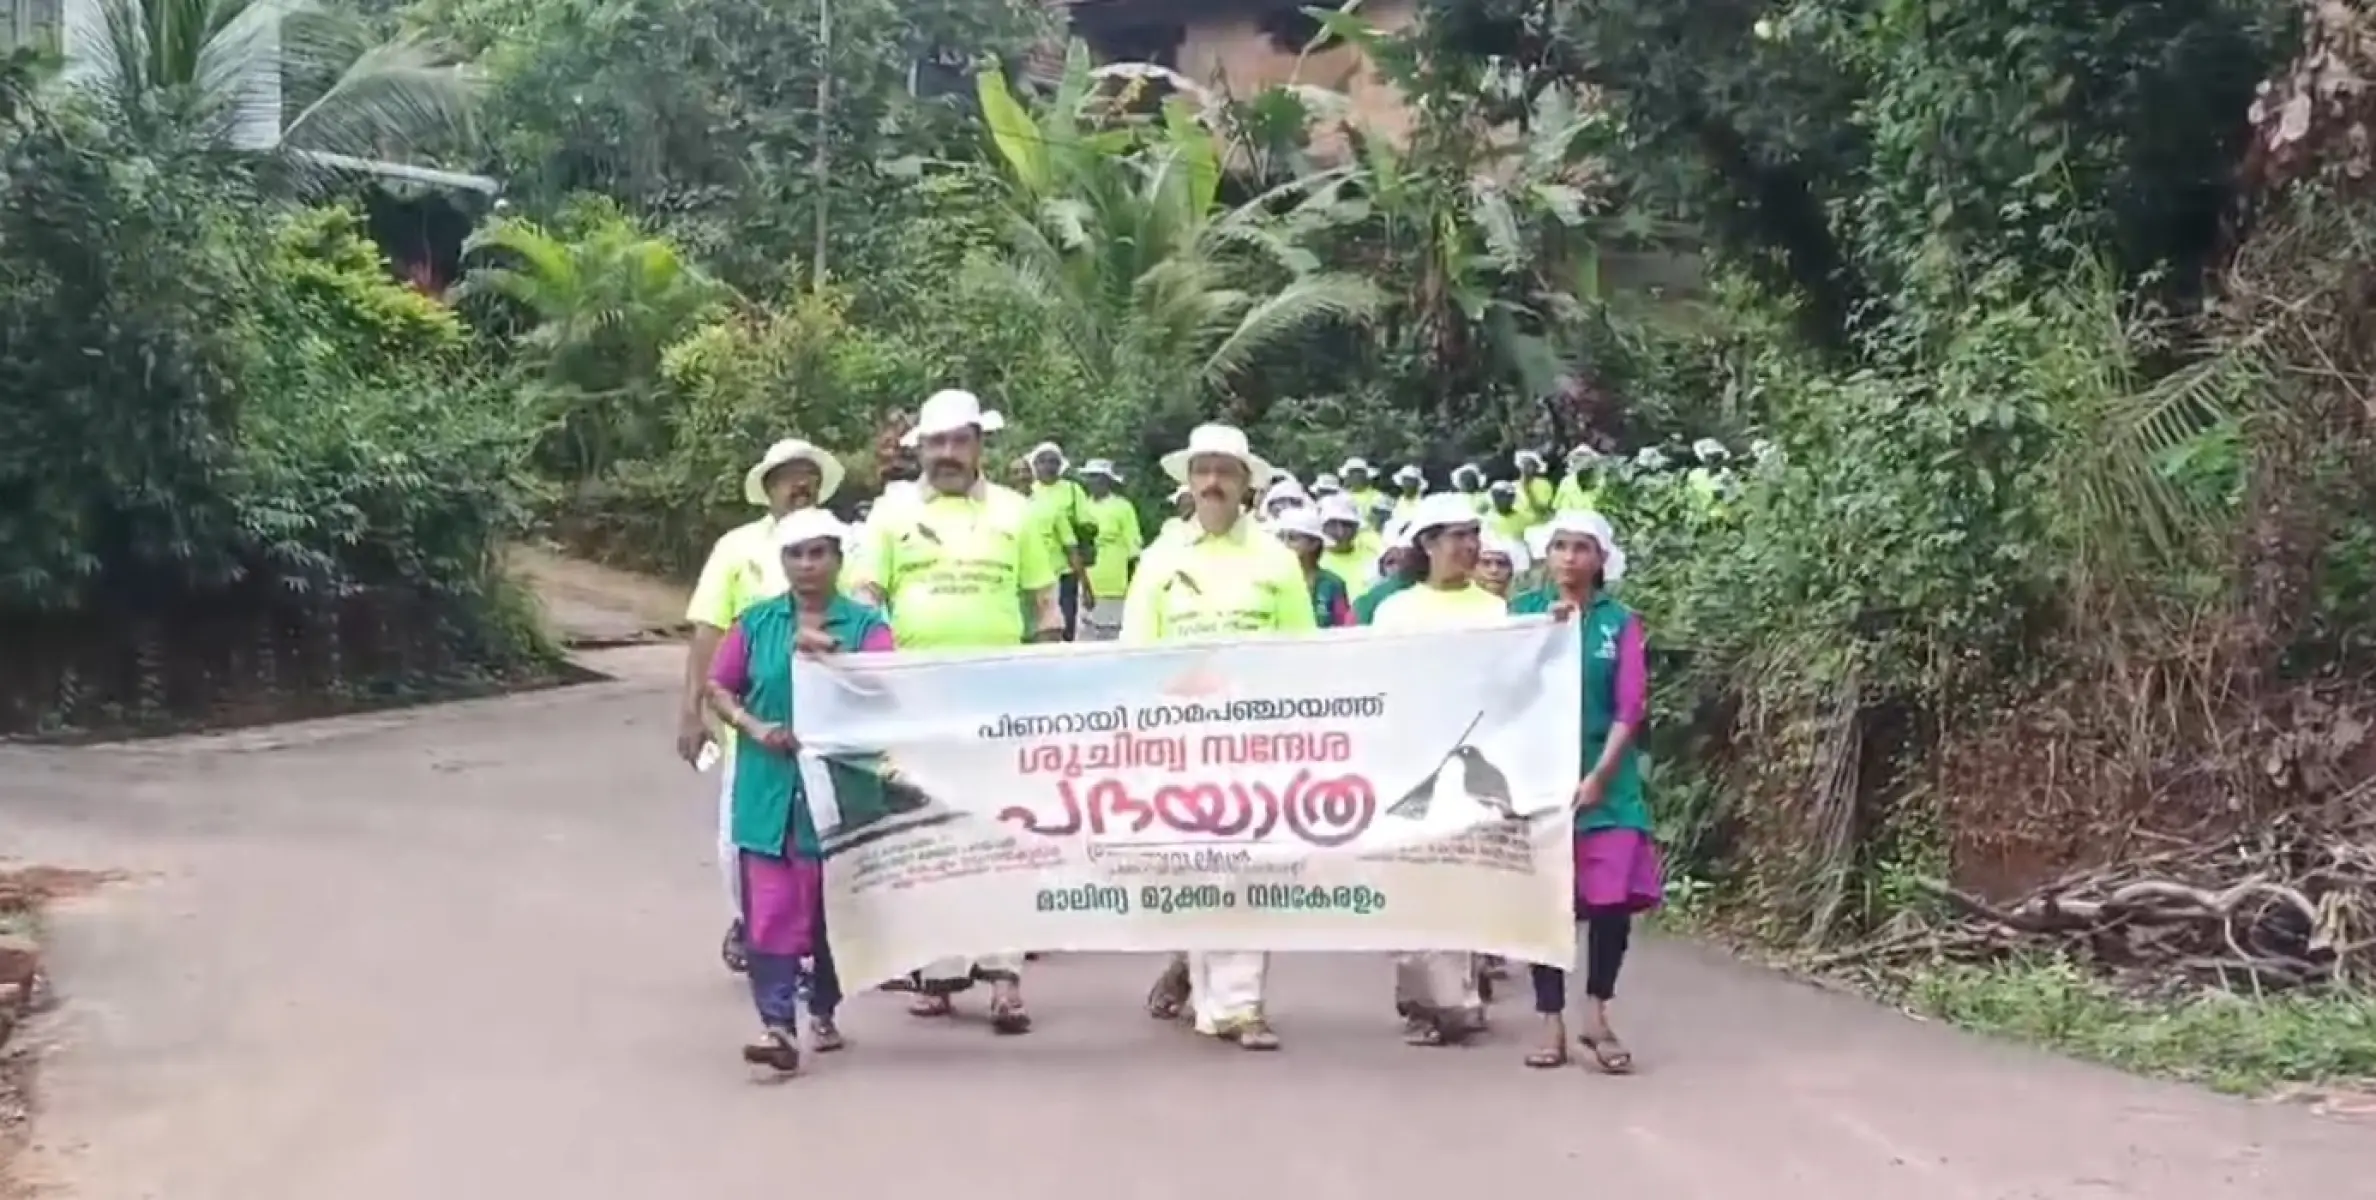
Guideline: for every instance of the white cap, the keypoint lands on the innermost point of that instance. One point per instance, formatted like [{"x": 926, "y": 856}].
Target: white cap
[
  {"x": 1523, "y": 457},
  {"x": 1467, "y": 471},
  {"x": 1508, "y": 547},
  {"x": 1439, "y": 511},
  {"x": 1707, "y": 449},
  {"x": 1410, "y": 472},
  {"x": 1503, "y": 487},
  {"x": 1045, "y": 449},
  {"x": 1102, "y": 467},
  {"x": 1303, "y": 520},
  {"x": 1286, "y": 489},
  {"x": 809, "y": 525},
  {"x": 1228, "y": 441},
  {"x": 829, "y": 470},
  {"x": 1591, "y": 525},
  {"x": 1356, "y": 463},
  {"x": 949, "y": 410},
  {"x": 1337, "y": 506},
  {"x": 1326, "y": 483}
]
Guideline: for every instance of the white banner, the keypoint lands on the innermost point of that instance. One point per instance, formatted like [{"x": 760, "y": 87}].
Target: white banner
[{"x": 1353, "y": 790}]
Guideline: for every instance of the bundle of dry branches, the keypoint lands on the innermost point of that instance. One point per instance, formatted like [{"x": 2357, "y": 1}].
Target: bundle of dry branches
[{"x": 2289, "y": 904}]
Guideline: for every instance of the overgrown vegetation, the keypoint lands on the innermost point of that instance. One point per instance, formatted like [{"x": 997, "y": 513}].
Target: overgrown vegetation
[{"x": 2056, "y": 314}]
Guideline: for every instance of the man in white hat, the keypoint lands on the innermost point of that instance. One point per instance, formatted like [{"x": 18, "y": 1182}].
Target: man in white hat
[
  {"x": 1586, "y": 484},
  {"x": 1114, "y": 551},
  {"x": 1057, "y": 503},
  {"x": 958, "y": 567},
  {"x": 1361, "y": 483},
  {"x": 1410, "y": 483},
  {"x": 1283, "y": 494},
  {"x": 1468, "y": 479},
  {"x": 1225, "y": 579},
  {"x": 744, "y": 567},
  {"x": 1348, "y": 550},
  {"x": 1537, "y": 496}
]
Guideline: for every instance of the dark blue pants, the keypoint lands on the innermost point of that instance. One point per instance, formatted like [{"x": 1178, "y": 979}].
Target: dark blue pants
[
  {"x": 780, "y": 982},
  {"x": 1068, "y": 598},
  {"x": 1606, "y": 936}
]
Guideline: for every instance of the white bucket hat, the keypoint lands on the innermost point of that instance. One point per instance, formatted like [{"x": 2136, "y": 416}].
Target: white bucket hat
[
  {"x": 1467, "y": 471},
  {"x": 1302, "y": 520},
  {"x": 1591, "y": 525},
  {"x": 1650, "y": 459},
  {"x": 1337, "y": 506},
  {"x": 1327, "y": 484},
  {"x": 1287, "y": 489},
  {"x": 947, "y": 411},
  {"x": 1356, "y": 463},
  {"x": 1520, "y": 460},
  {"x": 1101, "y": 467},
  {"x": 1440, "y": 511},
  {"x": 810, "y": 525},
  {"x": 1410, "y": 473},
  {"x": 1228, "y": 441},
  {"x": 1509, "y": 548},
  {"x": 791, "y": 450},
  {"x": 1709, "y": 450},
  {"x": 1583, "y": 454},
  {"x": 1045, "y": 449},
  {"x": 1502, "y": 487}
]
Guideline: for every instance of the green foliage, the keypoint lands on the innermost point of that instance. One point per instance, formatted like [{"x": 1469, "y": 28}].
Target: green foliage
[
  {"x": 334, "y": 302},
  {"x": 2235, "y": 1044},
  {"x": 602, "y": 300}
]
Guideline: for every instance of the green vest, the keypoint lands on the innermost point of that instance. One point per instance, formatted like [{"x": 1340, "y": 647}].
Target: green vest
[
  {"x": 771, "y": 811},
  {"x": 1623, "y": 803}
]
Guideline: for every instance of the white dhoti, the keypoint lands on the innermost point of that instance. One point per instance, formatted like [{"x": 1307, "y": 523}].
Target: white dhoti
[
  {"x": 1102, "y": 621},
  {"x": 729, "y": 855},
  {"x": 1439, "y": 986},
  {"x": 957, "y": 974},
  {"x": 1225, "y": 989}
]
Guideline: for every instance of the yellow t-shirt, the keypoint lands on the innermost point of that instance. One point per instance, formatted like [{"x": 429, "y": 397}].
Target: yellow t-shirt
[
  {"x": 1403, "y": 506},
  {"x": 1512, "y": 524},
  {"x": 1059, "y": 505},
  {"x": 1118, "y": 541},
  {"x": 952, "y": 569},
  {"x": 1424, "y": 607},
  {"x": 1536, "y": 499},
  {"x": 1575, "y": 497},
  {"x": 1351, "y": 564},
  {"x": 1366, "y": 499},
  {"x": 1217, "y": 585},
  {"x": 1174, "y": 529},
  {"x": 744, "y": 567}
]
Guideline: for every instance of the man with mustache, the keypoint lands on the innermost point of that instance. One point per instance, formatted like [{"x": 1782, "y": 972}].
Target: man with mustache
[
  {"x": 959, "y": 567},
  {"x": 744, "y": 567},
  {"x": 1223, "y": 578}
]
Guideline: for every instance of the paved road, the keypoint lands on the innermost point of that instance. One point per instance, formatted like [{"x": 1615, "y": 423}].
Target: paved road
[{"x": 467, "y": 952}]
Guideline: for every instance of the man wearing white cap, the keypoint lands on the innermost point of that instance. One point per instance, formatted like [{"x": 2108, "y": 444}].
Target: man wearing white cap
[
  {"x": 1225, "y": 579},
  {"x": 1360, "y": 482},
  {"x": 950, "y": 565},
  {"x": 1347, "y": 550},
  {"x": 744, "y": 567},
  {"x": 1583, "y": 489},
  {"x": 1410, "y": 483},
  {"x": 1057, "y": 503},
  {"x": 1468, "y": 480},
  {"x": 1114, "y": 551},
  {"x": 1537, "y": 496}
]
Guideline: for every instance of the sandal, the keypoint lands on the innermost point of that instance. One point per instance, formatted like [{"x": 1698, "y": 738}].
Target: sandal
[
  {"x": 735, "y": 951},
  {"x": 825, "y": 1036},
  {"x": 1609, "y": 1054},
  {"x": 1254, "y": 1033},
  {"x": 1168, "y": 999},
  {"x": 1548, "y": 1058},
  {"x": 1008, "y": 1017},
  {"x": 777, "y": 1049},
  {"x": 928, "y": 1005}
]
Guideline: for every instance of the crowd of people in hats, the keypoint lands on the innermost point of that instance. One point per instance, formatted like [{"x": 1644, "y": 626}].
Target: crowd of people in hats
[{"x": 945, "y": 557}]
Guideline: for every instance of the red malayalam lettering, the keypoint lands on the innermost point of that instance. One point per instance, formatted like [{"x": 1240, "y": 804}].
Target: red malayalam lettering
[{"x": 1321, "y": 812}]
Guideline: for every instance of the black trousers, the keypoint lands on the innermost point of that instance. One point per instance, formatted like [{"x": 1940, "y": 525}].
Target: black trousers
[
  {"x": 1607, "y": 932},
  {"x": 1068, "y": 598}
]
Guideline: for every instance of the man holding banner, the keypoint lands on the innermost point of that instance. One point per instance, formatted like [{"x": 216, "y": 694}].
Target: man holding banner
[
  {"x": 1221, "y": 578},
  {"x": 949, "y": 565}
]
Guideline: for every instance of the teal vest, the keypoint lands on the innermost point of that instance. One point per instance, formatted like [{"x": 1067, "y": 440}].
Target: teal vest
[
  {"x": 1624, "y": 805},
  {"x": 1327, "y": 592},
  {"x": 771, "y": 812}
]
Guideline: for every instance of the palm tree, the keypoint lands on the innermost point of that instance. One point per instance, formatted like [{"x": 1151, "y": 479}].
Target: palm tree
[
  {"x": 1121, "y": 244},
  {"x": 270, "y": 74},
  {"x": 604, "y": 300}
]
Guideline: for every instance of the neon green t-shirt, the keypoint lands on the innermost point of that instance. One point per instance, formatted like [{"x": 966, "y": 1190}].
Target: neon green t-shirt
[
  {"x": 1118, "y": 541},
  {"x": 1405, "y": 505},
  {"x": 1573, "y": 496},
  {"x": 1058, "y": 506},
  {"x": 1512, "y": 524},
  {"x": 951, "y": 567},
  {"x": 1422, "y": 606},
  {"x": 744, "y": 567},
  {"x": 1218, "y": 585},
  {"x": 1537, "y": 499},
  {"x": 1351, "y": 564}
]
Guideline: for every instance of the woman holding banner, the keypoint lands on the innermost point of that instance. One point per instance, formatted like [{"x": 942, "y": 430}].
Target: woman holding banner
[
  {"x": 774, "y": 831},
  {"x": 1437, "y": 992},
  {"x": 1617, "y": 868}
]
